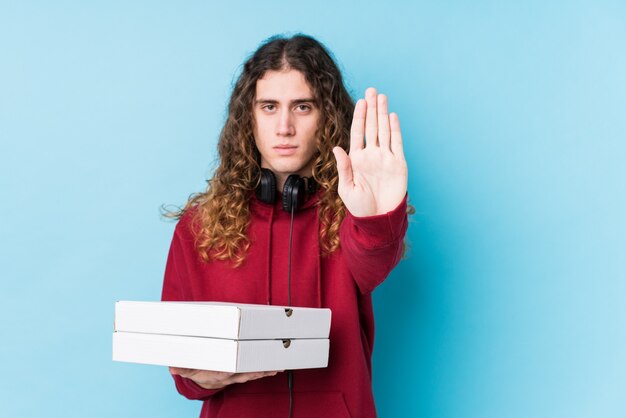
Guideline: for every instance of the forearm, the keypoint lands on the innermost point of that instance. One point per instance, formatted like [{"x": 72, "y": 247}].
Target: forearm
[{"x": 374, "y": 245}]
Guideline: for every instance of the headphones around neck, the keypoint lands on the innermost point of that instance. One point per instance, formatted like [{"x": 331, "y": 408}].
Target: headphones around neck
[{"x": 296, "y": 190}]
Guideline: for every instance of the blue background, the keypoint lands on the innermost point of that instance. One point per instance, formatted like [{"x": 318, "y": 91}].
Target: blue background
[{"x": 511, "y": 302}]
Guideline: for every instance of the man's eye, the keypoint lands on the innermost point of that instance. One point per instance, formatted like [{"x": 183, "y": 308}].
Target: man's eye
[
  {"x": 269, "y": 107},
  {"x": 304, "y": 107}
]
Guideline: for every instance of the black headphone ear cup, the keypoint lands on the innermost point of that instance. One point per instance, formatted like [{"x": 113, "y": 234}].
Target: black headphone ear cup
[
  {"x": 266, "y": 192},
  {"x": 293, "y": 193}
]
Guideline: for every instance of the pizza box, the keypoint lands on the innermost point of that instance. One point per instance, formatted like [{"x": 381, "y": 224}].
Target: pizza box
[{"x": 235, "y": 321}]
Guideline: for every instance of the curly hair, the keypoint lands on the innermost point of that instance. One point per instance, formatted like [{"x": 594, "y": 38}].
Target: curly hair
[{"x": 221, "y": 215}]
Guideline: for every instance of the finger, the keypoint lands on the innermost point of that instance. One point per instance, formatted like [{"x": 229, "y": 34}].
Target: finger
[
  {"x": 357, "y": 130},
  {"x": 396, "y": 136},
  {"x": 235, "y": 378},
  {"x": 181, "y": 371},
  {"x": 384, "y": 134},
  {"x": 344, "y": 168},
  {"x": 371, "y": 124},
  {"x": 220, "y": 379},
  {"x": 244, "y": 377},
  {"x": 219, "y": 376}
]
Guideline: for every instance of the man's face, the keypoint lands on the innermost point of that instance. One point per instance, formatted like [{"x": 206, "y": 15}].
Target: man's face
[{"x": 286, "y": 121}]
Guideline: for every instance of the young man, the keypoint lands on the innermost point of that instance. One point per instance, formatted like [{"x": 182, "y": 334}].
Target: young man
[{"x": 290, "y": 113}]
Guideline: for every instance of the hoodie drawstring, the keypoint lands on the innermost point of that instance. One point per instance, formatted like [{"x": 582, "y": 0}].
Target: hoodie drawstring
[
  {"x": 269, "y": 258},
  {"x": 319, "y": 266}
]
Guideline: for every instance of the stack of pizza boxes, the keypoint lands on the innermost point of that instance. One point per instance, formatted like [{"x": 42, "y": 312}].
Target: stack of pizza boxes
[{"x": 229, "y": 337}]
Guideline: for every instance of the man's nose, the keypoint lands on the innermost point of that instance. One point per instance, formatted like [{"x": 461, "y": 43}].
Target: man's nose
[{"x": 285, "y": 124}]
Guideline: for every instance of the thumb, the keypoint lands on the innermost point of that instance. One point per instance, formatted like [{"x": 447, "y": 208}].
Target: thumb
[{"x": 344, "y": 168}]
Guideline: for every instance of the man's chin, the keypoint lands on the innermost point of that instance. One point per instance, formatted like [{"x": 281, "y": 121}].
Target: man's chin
[{"x": 286, "y": 170}]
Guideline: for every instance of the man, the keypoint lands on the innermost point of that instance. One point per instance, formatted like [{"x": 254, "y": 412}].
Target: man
[{"x": 289, "y": 113}]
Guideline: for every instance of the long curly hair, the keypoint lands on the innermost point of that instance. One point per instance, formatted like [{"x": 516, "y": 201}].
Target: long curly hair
[{"x": 221, "y": 214}]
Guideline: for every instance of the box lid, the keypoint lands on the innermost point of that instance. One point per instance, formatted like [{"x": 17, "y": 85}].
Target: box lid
[{"x": 236, "y": 321}]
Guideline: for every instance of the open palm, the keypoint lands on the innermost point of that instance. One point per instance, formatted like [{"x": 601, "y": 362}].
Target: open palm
[{"x": 373, "y": 177}]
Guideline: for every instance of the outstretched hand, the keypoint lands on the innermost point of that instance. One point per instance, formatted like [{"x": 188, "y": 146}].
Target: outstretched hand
[
  {"x": 208, "y": 379},
  {"x": 373, "y": 177}
]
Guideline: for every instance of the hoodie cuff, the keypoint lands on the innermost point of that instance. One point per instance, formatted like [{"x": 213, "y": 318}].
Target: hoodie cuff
[{"x": 380, "y": 230}]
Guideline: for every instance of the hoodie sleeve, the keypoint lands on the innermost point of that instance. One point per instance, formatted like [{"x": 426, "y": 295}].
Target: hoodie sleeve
[
  {"x": 373, "y": 245},
  {"x": 176, "y": 288}
]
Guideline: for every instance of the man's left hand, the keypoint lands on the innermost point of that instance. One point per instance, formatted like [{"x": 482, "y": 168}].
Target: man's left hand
[{"x": 373, "y": 177}]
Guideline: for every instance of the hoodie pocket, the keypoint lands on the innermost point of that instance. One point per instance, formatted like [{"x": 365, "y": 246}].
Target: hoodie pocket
[{"x": 276, "y": 405}]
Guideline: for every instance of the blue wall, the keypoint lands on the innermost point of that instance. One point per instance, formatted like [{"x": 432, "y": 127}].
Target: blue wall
[{"x": 510, "y": 303}]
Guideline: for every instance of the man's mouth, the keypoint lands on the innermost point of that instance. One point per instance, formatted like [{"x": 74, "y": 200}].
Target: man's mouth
[{"x": 285, "y": 149}]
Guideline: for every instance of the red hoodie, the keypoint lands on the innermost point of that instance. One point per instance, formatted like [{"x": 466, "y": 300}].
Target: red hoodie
[{"x": 370, "y": 248}]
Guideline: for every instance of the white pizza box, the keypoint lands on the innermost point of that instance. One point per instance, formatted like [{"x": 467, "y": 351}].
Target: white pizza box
[
  {"x": 217, "y": 354},
  {"x": 235, "y": 321}
]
